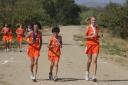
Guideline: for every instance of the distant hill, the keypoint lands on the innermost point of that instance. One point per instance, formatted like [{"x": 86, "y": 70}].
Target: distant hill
[
  {"x": 98, "y": 3},
  {"x": 94, "y": 4}
]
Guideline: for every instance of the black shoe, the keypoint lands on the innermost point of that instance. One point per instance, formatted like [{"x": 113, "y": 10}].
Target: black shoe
[
  {"x": 94, "y": 80},
  {"x": 55, "y": 78},
  {"x": 50, "y": 76},
  {"x": 21, "y": 51},
  {"x": 34, "y": 80}
]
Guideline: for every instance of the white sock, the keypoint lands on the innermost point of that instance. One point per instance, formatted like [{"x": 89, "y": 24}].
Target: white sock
[
  {"x": 87, "y": 73},
  {"x": 93, "y": 77}
]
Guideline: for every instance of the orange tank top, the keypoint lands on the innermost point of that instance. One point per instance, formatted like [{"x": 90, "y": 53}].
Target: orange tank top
[
  {"x": 55, "y": 42},
  {"x": 56, "y": 45},
  {"x": 35, "y": 42},
  {"x": 91, "y": 31}
]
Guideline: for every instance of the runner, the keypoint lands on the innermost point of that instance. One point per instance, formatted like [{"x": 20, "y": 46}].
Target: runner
[
  {"x": 54, "y": 52},
  {"x": 92, "y": 47},
  {"x": 20, "y": 34},
  {"x": 34, "y": 39},
  {"x": 6, "y": 31}
]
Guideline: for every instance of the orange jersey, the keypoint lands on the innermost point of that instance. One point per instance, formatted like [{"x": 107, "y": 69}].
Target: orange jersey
[
  {"x": 36, "y": 42},
  {"x": 95, "y": 39},
  {"x": 54, "y": 52},
  {"x": 92, "y": 44},
  {"x": 20, "y": 31},
  {"x": 6, "y": 32},
  {"x": 34, "y": 45}
]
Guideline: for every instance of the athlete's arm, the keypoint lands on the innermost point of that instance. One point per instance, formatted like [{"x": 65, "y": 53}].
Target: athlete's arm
[
  {"x": 41, "y": 40},
  {"x": 2, "y": 31},
  {"x": 61, "y": 42},
  {"x": 17, "y": 31},
  {"x": 9, "y": 30},
  {"x": 23, "y": 33},
  {"x": 27, "y": 37},
  {"x": 50, "y": 43}
]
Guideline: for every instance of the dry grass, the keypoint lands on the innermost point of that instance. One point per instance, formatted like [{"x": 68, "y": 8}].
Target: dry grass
[
  {"x": 116, "y": 46},
  {"x": 4, "y": 83}
]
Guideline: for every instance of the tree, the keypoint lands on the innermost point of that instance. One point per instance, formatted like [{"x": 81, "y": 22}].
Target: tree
[
  {"x": 46, "y": 12},
  {"x": 62, "y": 11}
]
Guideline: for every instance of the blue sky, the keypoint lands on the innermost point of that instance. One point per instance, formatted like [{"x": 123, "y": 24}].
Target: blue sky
[{"x": 98, "y": 2}]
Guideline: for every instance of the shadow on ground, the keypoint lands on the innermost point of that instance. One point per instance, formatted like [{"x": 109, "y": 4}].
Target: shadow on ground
[
  {"x": 62, "y": 79},
  {"x": 114, "y": 80}
]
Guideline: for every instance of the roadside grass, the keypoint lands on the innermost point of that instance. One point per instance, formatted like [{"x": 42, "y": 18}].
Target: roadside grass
[{"x": 4, "y": 83}]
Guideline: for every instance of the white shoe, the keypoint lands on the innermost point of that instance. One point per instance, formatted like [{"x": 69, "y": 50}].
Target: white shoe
[
  {"x": 87, "y": 76},
  {"x": 32, "y": 77}
]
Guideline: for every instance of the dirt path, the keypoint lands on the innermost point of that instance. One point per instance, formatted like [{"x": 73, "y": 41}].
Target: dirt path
[{"x": 14, "y": 66}]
